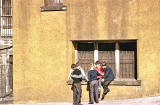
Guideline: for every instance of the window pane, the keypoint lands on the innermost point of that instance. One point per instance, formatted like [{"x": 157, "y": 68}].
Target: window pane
[
  {"x": 128, "y": 60},
  {"x": 6, "y": 7},
  {"x": 52, "y": 2},
  {"x": 85, "y": 55},
  {"x": 107, "y": 53},
  {"x": 5, "y": 18}
]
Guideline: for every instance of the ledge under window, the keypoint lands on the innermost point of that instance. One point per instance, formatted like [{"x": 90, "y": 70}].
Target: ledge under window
[
  {"x": 117, "y": 82},
  {"x": 54, "y": 7}
]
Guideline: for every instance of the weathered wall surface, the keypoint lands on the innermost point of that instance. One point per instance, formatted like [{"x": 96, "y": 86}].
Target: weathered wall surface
[
  {"x": 122, "y": 20},
  {"x": 43, "y": 51},
  {"x": 40, "y": 53}
]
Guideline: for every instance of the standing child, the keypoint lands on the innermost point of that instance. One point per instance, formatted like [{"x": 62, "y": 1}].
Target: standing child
[
  {"x": 93, "y": 85},
  {"x": 82, "y": 71},
  {"x": 76, "y": 86}
]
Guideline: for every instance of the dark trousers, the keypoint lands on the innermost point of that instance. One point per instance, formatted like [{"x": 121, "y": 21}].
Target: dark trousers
[
  {"x": 94, "y": 91},
  {"x": 105, "y": 87},
  {"x": 77, "y": 91}
]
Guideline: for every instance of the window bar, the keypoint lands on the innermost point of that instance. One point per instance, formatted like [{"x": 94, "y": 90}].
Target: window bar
[
  {"x": 7, "y": 16},
  {"x": 1, "y": 17},
  {"x": 4, "y": 10}
]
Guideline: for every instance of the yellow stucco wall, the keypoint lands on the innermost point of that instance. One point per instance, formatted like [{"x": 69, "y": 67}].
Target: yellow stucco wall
[{"x": 43, "y": 51}]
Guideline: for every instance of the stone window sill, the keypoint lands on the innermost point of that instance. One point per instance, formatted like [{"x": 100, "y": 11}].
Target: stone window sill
[
  {"x": 121, "y": 82},
  {"x": 55, "y": 7}
]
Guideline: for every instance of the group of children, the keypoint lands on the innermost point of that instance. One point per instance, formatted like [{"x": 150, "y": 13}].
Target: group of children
[{"x": 98, "y": 72}]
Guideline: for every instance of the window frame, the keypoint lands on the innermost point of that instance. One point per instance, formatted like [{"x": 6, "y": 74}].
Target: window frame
[
  {"x": 53, "y": 6},
  {"x": 6, "y": 19},
  {"x": 118, "y": 81}
]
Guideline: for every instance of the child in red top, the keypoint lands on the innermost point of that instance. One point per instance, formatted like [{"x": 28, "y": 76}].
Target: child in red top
[{"x": 100, "y": 70}]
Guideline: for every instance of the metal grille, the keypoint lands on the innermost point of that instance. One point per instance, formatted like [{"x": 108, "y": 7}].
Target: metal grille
[
  {"x": 58, "y": 1},
  {"x": 106, "y": 53},
  {"x": 6, "y": 83},
  {"x": 128, "y": 60},
  {"x": 85, "y": 55},
  {"x": 5, "y": 18},
  {"x": 52, "y": 2}
]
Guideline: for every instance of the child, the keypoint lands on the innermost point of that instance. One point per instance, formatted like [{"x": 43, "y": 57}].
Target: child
[
  {"x": 108, "y": 78},
  {"x": 100, "y": 70},
  {"x": 82, "y": 71},
  {"x": 93, "y": 85},
  {"x": 76, "y": 86}
]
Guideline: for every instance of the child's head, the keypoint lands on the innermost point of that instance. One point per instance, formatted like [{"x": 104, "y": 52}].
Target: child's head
[
  {"x": 73, "y": 66},
  {"x": 91, "y": 65},
  {"x": 98, "y": 64},
  {"x": 104, "y": 64}
]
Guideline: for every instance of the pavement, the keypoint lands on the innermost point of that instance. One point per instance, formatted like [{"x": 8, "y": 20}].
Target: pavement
[{"x": 136, "y": 101}]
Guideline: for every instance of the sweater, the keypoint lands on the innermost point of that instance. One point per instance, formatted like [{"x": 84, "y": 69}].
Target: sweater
[
  {"x": 92, "y": 75},
  {"x": 108, "y": 74},
  {"x": 77, "y": 76}
]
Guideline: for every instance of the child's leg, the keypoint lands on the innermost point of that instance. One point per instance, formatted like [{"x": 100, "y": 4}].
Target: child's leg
[
  {"x": 96, "y": 92},
  {"x": 106, "y": 89},
  {"x": 91, "y": 92},
  {"x": 74, "y": 94},
  {"x": 99, "y": 83},
  {"x": 79, "y": 93}
]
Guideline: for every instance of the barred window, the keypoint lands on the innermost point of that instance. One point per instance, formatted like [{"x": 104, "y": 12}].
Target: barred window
[
  {"x": 121, "y": 56},
  {"x": 128, "y": 60},
  {"x": 53, "y": 5},
  {"x": 5, "y": 18},
  {"x": 106, "y": 52},
  {"x": 85, "y": 55}
]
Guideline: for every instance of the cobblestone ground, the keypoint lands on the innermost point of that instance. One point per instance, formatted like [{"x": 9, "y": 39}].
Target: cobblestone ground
[{"x": 136, "y": 101}]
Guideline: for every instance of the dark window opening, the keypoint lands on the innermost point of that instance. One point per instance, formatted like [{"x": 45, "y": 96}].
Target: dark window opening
[
  {"x": 121, "y": 56},
  {"x": 6, "y": 18},
  {"x": 53, "y": 5},
  {"x": 85, "y": 55},
  {"x": 128, "y": 60},
  {"x": 106, "y": 53}
]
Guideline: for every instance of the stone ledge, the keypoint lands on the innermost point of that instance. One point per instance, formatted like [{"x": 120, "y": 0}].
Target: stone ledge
[{"x": 116, "y": 82}]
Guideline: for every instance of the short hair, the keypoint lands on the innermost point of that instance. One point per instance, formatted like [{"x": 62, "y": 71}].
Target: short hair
[
  {"x": 73, "y": 66},
  {"x": 98, "y": 62},
  {"x": 104, "y": 63}
]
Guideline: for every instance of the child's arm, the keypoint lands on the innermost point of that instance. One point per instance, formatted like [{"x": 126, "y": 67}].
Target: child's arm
[
  {"x": 70, "y": 74},
  {"x": 83, "y": 73},
  {"x": 89, "y": 76}
]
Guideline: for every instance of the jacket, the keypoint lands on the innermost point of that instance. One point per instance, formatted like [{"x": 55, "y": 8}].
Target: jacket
[
  {"x": 108, "y": 74},
  {"x": 77, "y": 76},
  {"x": 92, "y": 75}
]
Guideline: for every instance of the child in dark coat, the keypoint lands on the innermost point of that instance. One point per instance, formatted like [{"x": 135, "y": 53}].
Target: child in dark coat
[
  {"x": 108, "y": 78},
  {"x": 76, "y": 86},
  {"x": 93, "y": 86}
]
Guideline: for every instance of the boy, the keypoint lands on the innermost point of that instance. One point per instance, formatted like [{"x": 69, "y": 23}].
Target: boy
[
  {"x": 76, "y": 86},
  {"x": 82, "y": 71},
  {"x": 93, "y": 85},
  {"x": 108, "y": 78}
]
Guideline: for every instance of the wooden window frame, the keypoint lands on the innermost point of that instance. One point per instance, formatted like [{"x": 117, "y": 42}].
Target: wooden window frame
[
  {"x": 118, "y": 81},
  {"x": 52, "y": 5}
]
